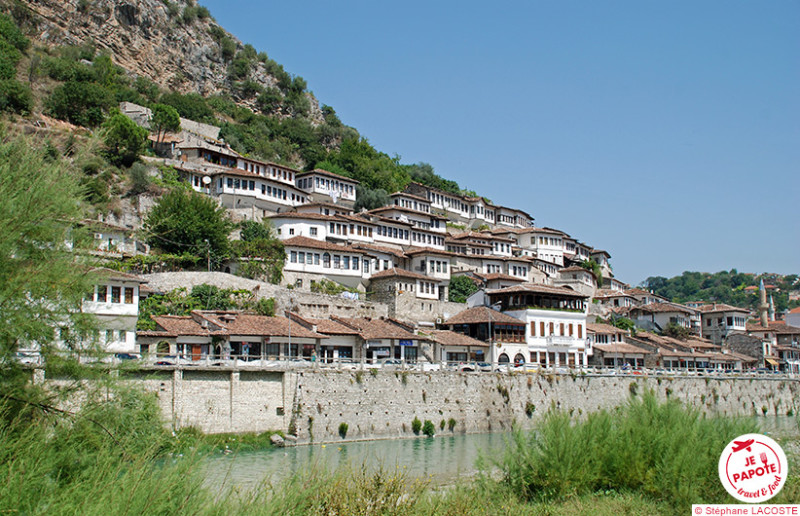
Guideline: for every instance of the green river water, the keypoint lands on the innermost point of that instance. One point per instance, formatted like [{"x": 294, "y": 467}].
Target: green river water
[{"x": 443, "y": 459}]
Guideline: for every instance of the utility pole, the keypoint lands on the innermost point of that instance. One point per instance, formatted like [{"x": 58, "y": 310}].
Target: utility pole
[{"x": 208, "y": 254}]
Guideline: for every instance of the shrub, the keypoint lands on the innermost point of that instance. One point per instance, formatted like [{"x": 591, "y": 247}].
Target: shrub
[
  {"x": 416, "y": 425},
  {"x": 530, "y": 408},
  {"x": 15, "y": 97},
  {"x": 442, "y": 424},
  {"x": 428, "y": 428},
  {"x": 343, "y": 430},
  {"x": 645, "y": 446},
  {"x": 139, "y": 178},
  {"x": 81, "y": 103},
  {"x": 451, "y": 424}
]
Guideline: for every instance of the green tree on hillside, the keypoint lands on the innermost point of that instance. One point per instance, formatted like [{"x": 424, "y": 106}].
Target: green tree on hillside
[
  {"x": 124, "y": 140},
  {"x": 461, "y": 287},
  {"x": 81, "y": 103},
  {"x": 261, "y": 254},
  {"x": 164, "y": 119},
  {"x": 187, "y": 222}
]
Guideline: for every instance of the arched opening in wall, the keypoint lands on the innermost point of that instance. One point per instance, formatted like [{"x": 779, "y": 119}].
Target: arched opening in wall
[
  {"x": 162, "y": 348},
  {"x": 519, "y": 360},
  {"x": 503, "y": 359}
]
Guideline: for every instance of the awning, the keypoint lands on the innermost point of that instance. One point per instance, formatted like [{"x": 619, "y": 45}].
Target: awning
[{"x": 772, "y": 362}]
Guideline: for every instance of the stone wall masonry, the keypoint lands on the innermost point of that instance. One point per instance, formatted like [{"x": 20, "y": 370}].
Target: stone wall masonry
[
  {"x": 377, "y": 404},
  {"x": 384, "y": 404},
  {"x": 303, "y": 302}
]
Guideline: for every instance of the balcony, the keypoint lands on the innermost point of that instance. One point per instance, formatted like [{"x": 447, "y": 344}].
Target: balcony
[{"x": 559, "y": 340}]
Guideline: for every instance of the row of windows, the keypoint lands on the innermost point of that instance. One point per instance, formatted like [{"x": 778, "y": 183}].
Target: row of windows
[
  {"x": 549, "y": 241},
  {"x": 390, "y": 232},
  {"x": 563, "y": 329},
  {"x": 437, "y": 266},
  {"x": 501, "y": 247},
  {"x": 424, "y": 238},
  {"x": 342, "y": 262},
  {"x": 104, "y": 294},
  {"x": 426, "y": 287},
  {"x": 449, "y": 202},
  {"x": 267, "y": 190},
  {"x": 412, "y": 205},
  {"x": 519, "y": 271}
]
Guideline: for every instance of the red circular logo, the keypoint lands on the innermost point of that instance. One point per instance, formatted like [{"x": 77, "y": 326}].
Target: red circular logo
[{"x": 753, "y": 468}]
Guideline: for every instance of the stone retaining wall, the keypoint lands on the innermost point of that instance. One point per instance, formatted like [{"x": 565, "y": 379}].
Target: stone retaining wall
[{"x": 312, "y": 404}]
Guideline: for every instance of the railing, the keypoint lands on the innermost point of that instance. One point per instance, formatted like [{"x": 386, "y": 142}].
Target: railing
[{"x": 250, "y": 362}]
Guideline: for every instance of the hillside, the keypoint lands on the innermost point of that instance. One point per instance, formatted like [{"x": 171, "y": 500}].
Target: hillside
[
  {"x": 174, "y": 53},
  {"x": 728, "y": 287}
]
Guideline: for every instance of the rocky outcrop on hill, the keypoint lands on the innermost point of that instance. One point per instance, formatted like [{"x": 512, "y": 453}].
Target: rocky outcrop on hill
[{"x": 149, "y": 38}]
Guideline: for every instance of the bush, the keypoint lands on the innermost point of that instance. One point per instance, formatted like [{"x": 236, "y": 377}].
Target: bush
[
  {"x": 139, "y": 178},
  {"x": 81, "y": 103},
  {"x": 645, "y": 446},
  {"x": 451, "y": 424},
  {"x": 416, "y": 425},
  {"x": 343, "y": 430},
  {"x": 428, "y": 428},
  {"x": 15, "y": 97}
]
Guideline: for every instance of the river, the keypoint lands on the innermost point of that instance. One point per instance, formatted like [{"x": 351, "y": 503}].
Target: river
[{"x": 443, "y": 459}]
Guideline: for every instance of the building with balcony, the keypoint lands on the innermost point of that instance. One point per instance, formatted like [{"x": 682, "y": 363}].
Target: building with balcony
[{"x": 555, "y": 318}]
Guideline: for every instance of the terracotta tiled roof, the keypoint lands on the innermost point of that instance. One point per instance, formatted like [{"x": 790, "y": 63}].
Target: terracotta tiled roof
[
  {"x": 451, "y": 338},
  {"x": 110, "y": 274},
  {"x": 604, "y": 329},
  {"x": 321, "y": 172},
  {"x": 428, "y": 250},
  {"x": 412, "y": 196},
  {"x": 396, "y": 272},
  {"x": 778, "y": 327},
  {"x": 575, "y": 268},
  {"x": 301, "y": 215},
  {"x": 379, "y": 249},
  {"x": 407, "y": 210},
  {"x": 498, "y": 276},
  {"x": 301, "y": 241},
  {"x": 175, "y": 325},
  {"x": 375, "y": 328},
  {"x": 621, "y": 347},
  {"x": 248, "y": 324},
  {"x": 719, "y": 307},
  {"x": 537, "y": 289},
  {"x": 482, "y": 314},
  {"x": 654, "y": 308},
  {"x": 331, "y": 327},
  {"x": 795, "y": 310}
]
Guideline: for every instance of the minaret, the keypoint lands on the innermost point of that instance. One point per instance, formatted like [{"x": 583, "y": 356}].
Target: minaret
[
  {"x": 763, "y": 307},
  {"x": 771, "y": 309}
]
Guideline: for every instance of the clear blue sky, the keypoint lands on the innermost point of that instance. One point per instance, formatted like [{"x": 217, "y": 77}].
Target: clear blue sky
[{"x": 667, "y": 133}]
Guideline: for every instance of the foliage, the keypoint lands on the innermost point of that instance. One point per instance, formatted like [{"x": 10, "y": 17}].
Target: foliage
[
  {"x": 623, "y": 323},
  {"x": 416, "y": 425},
  {"x": 368, "y": 199},
  {"x": 343, "y": 427},
  {"x": 184, "y": 221},
  {"x": 15, "y": 97},
  {"x": 331, "y": 288},
  {"x": 645, "y": 447},
  {"x": 677, "y": 331},
  {"x": 139, "y": 178},
  {"x": 201, "y": 297},
  {"x": 124, "y": 140},
  {"x": 265, "y": 306},
  {"x": 261, "y": 255},
  {"x": 591, "y": 265},
  {"x": 726, "y": 287},
  {"x": 41, "y": 285},
  {"x": 81, "y": 103},
  {"x": 428, "y": 428},
  {"x": 191, "y": 106},
  {"x": 164, "y": 119},
  {"x": 461, "y": 287}
]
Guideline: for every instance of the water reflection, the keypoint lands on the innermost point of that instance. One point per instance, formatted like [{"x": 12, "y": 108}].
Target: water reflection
[{"x": 442, "y": 460}]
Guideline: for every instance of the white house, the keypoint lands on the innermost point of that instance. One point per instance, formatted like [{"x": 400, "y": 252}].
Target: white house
[
  {"x": 114, "y": 301},
  {"x": 717, "y": 321},
  {"x": 327, "y": 186},
  {"x": 556, "y": 318}
]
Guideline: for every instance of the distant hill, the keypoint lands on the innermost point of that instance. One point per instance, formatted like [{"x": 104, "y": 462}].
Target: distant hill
[{"x": 729, "y": 287}]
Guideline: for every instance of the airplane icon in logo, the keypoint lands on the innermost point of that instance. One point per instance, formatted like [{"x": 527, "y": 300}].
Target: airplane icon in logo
[{"x": 743, "y": 445}]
